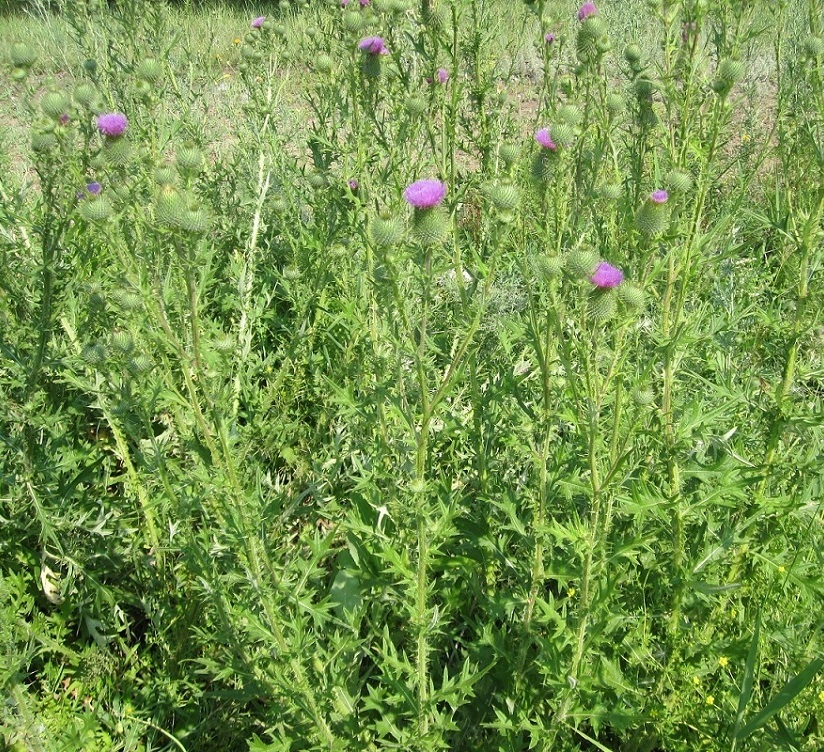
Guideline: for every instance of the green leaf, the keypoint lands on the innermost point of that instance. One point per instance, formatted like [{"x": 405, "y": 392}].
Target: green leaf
[
  {"x": 345, "y": 593},
  {"x": 747, "y": 682},
  {"x": 787, "y": 694}
]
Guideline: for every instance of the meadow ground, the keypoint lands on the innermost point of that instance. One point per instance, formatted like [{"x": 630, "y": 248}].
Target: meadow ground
[{"x": 411, "y": 375}]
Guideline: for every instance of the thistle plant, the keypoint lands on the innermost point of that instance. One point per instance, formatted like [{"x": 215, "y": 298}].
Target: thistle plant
[{"x": 438, "y": 375}]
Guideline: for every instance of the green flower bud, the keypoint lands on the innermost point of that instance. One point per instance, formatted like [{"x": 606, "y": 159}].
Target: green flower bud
[
  {"x": 22, "y": 56},
  {"x": 813, "y": 47},
  {"x": 632, "y": 53},
  {"x": 416, "y": 106},
  {"x": 43, "y": 142},
  {"x": 90, "y": 66},
  {"x": 96, "y": 209},
  {"x": 642, "y": 396},
  {"x": 19, "y": 74},
  {"x": 645, "y": 88},
  {"x": 563, "y": 134},
  {"x": 550, "y": 267},
  {"x": 631, "y": 296},
  {"x": 189, "y": 160},
  {"x": 247, "y": 52},
  {"x": 122, "y": 341},
  {"x": 317, "y": 181},
  {"x": 581, "y": 263},
  {"x": 615, "y": 104},
  {"x": 508, "y": 153},
  {"x": 150, "y": 70},
  {"x": 55, "y": 104},
  {"x": 569, "y": 114},
  {"x": 117, "y": 151},
  {"x": 324, "y": 64},
  {"x": 86, "y": 95},
  {"x": 543, "y": 166},
  {"x": 353, "y": 22},
  {"x": 503, "y": 196},
  {"x": 602, "y": 305},
  {"x": 429, "y": 226},
  {"x": 385, "y": 231},
  {"x": 169, "y": 207},
  {"x": 165, "y": 175},
  {"x": 678, "y": 182},
  {"x": 140, "y": 363},
  {"x": 610, "y": 191},
  {"x": 194, "y": 220},
  {"x": 94, "y": 354},
  {"x": 653, "y": 216},
  {"x": 127, "y": 300}
]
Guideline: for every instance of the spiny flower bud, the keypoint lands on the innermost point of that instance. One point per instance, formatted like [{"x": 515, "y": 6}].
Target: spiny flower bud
[
  {"x": 415, "y": 106},
  {"x": 140, "y": 363},
  {"x": 55, "y": 104},
  {"x": 653, "y": 216},
  {"x": 353, "y": 22},
  {"x": 569, "y": 114},
  {"x": 86, "y": 96},
  {"x": 317, "y": 181},
  {"x": 610, "y": 191},
  {"x": 728, "y": 73},
  {"x": 22, "y": 56},
  {"x": 678, "y": 182},
  {"x": 385, "y": 231},
  {"x": 631, "y": 296},
  {"x": 602, "y": 305},
  {"x": 563, "y": 134},
  {"x": 645, "y": 87},
  {"x": 194, "y": 220},
  {"x": 169, "y": 206},
  {"x": 581, "y": 263},
  {"x": 508, "y": 153},
  {"x": 189, "y": 160},
  {"x": 97, "y": 209},
  {"x": 150, "y": 70},
  {"x": 127, "y": 300},
  {"x": 122, "y": 341},
  {"x": 814, "y": 47},
  {"x": 116, "y": 151},
  {"x": 324, "y": 64},
  {"x": 615, "y": 104},
  {"x": 503, "y": 196},
  {"x": 543, "y": 166},
  {"x": 165, "y": 175},
  {"x": 549, "y": 267},
  {"x": 632, "y": 53},
  {"x": 94, "y": 354},
  {"x": 642, "y": 396},
  {"x": 43, "y": 141},
  {"x": 429, "y": 226}
]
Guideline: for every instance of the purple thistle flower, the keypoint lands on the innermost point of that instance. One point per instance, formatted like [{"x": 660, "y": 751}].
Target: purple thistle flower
[
  {"x": 425, "y": 194},
  {"x": 549, "y": 37},
  {"x": 94, "y": 188},
  {"x": 353, "y": 184},
  {"x": 112, "y": 124},
  {"x": 607, "y": 276},
  {"x": 344, "y": 3},
  {"x": 443, "y": 75},
  {"x": 659, "y": 197},
  {"x": 364, "y": 3},
  {"x": 587, "y": 10},
  {"x": 64, "y": 119},
  {"x": 544, "y": 139},
  {"x": 258, "y": 22},
  {"x": 373, "y": 46}
]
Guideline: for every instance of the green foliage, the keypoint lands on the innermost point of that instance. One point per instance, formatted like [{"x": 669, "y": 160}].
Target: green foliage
[{"x": 288, "y": 465}]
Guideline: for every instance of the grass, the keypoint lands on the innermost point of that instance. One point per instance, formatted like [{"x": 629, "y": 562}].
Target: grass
[{"x": 290, "y": 463}]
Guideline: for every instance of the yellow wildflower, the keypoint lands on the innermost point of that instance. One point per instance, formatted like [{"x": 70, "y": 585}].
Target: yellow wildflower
[
  {"x": 710, "y": 700},
  {"x": 723, "y": 661}
]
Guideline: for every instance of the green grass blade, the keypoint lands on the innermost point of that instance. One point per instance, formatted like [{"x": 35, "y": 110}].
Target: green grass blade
[
  {"x": 788, "y": 692},
  {"x": 747, "y": 683}
]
